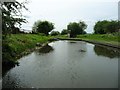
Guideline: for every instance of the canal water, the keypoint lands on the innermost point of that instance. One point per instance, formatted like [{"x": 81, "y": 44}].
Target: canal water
[{"x": 66, "y": 64}]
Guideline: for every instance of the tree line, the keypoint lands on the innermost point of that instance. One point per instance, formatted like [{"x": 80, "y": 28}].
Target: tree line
[
  {"x": 12, "y": 19},
  {"x": 105, "y": 26},
  {"x": 73, "y": 28},
  {"x": 76, "y": 28}
]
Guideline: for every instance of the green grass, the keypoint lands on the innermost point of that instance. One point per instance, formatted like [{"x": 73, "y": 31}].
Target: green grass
[
  {"x": 113, "y": 38},
  {"x": 104, "y": 38},
  {"x": 18, "y": 43},
  {"x": 21, "y": 42}
]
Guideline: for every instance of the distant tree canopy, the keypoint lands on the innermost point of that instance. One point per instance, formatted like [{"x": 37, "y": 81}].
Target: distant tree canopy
[
  {"x": 64, "y": 31},
  {"x": 76, "y": 28},
  {"x": 55, "y": 33},
  {"x": 103, "y": 27},
  {"x": 12, "y": 16},
  {"x": 43, "y": 27}
]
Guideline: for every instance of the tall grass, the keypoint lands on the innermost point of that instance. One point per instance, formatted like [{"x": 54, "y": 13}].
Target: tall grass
[{"x": 18, "y": 43}]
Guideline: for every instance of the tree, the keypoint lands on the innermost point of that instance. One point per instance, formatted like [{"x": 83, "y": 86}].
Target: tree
[
  {"x": 64, "y": 31},
  {"x": 112, "y": 26},
  {"x": 12, "y": 19},
  {"x": 12, "y": 16},
  {"x": 55, "y": 33},
  {"x": 99, "y": 27},
  {"x": 76, "y": 28},
  {"x": 43, "y": 27},
  {"x": 103, "y": 27},
  {"x": 15, "y": 30}
]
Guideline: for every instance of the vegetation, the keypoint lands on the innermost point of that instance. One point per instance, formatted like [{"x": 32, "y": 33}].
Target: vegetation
[
  {"x": 107, "y": 52},
  {"x": 113, "y": 38},
  {"x": 19, "y": 43},
  {"x": 64, "y": 31},
  {"x": 43, "y": 27},
  {"x": 103, "y": 27},
  {"x": 76, "y": 28},
  {"x": 14, "y": 44},
  {"x": 55, "y": 33},
  {"x": 12, "y": 17}
]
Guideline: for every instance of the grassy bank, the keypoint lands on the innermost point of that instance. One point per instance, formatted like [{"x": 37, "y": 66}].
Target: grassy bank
[
  {"x": 15, "y": 44},
  {"x": 113, "y": 39}
]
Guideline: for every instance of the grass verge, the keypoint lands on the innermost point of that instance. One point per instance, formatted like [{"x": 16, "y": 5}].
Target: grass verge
[
  {"x": 113, "y": 39},
  {"x": 15, "y": 44}
]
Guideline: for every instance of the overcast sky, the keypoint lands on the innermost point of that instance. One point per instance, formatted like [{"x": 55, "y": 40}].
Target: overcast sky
[{"x": 61, "y": 12}]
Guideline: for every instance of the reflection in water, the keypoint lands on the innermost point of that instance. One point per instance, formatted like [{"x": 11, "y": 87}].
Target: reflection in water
[
  {"x": 45, "y": 49},
  {"x": 72, "y": 42},
  {"x": 76, "y": 52},
  {"x": 65, "y": 67},
  {"x": 106, "y": 51}
]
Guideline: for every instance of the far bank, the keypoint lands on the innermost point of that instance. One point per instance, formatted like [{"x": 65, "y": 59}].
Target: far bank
[{"x": 111, "y": 40}]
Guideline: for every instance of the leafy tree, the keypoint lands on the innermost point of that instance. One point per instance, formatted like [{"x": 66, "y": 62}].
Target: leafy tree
[
  {"x": 43, "y": 27},
  {"x": 55, "y": 33},
  {"x": 64, "y": 31},
  {"x": 112, "y": 26},
  {"x": 15, "y": 30},
  {"x": 12, "y": 17},
  {"x": 76, "y": 28},
  {"x": 103, "y": 27},
  {"x": 99, "y": 27}
]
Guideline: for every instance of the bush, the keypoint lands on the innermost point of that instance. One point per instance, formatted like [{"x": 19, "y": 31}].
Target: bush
[
  {"x": 55, "y": 33},
  {"x": 64, "y": 31}
]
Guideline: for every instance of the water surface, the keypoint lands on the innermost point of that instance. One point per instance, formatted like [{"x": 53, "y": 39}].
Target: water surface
[{"x": 66, "y": 64}]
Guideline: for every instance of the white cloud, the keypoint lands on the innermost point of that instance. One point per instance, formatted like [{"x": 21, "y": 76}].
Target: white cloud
[{"x": 61, "y": 12}]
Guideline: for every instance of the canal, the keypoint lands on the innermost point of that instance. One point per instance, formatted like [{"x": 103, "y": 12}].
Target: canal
[{"x": 66, "y": 64}]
